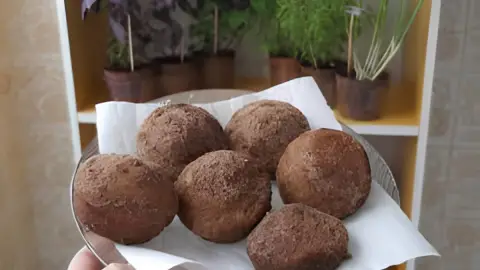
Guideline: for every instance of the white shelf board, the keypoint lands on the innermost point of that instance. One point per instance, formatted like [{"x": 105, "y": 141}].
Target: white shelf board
[
  {"x": 386, "y": 130},
  {"x": 364, "y": 129},
  {"x": 88, "y": 117}
]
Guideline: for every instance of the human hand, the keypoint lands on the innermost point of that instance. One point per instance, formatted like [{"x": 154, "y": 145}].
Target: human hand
[{"x": 85, "y": 260}]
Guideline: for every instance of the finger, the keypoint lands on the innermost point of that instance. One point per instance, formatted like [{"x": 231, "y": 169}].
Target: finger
[
  {"x": 105, "y": 248},
  {"x": 85, "y": 260},
  {"x": 118, "y": 266}
]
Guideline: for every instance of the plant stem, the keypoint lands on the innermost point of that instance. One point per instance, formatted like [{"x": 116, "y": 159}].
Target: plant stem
[
  {"x": 350, "y": 46},
  {"x": 399, "y": 22},
  {"x": 374, "y": 60},
  {"x": 412, "y": 19},
  {"x": 182, "y": 49},
  {"x": 314, "y": 61},
  {"x": 358, "y": 67},
  {"x": 400, "y": 40},
  {"x": 387, "y": 52},
  {"x": 215, "y": 29},
  {"x": 377, "y": 30},
  {"x": 130, "y": 43}
]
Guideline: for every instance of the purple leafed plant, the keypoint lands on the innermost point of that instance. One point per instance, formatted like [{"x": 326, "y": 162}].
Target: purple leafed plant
[
  {"x": 155, "y": 31},
  {"x": 117, "y": 14},
  {"x": 160, "y": 4},
  {"x": 87, "y": 5},
  {"x": 94, "y": 5},
  {"x": 118, "y": 10}
]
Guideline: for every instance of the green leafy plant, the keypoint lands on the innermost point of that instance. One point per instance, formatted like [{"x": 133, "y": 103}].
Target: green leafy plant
[
  {"x": 382, "y": 49},
  {"x": 279, "y": 43},
  {"x": 235, "y": 19},
  {"x": 118, "y": 55},
  {"x": 316, "y": 28},
  {"x": 220, "y": 25},
  {"x": 264, "y": 20}
]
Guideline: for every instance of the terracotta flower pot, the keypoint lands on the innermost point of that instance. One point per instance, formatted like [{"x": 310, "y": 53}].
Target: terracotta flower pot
[
  {"x": 175, "y": 77},
  {"x": 219, "y": 70},
  {"x": 283, "y": 69},
  {"x": 325, "y": 79},
  {"x": 198, "y": 58},
  {"x": 361, "y": 100},
  {"x": 136, "y": 86}
]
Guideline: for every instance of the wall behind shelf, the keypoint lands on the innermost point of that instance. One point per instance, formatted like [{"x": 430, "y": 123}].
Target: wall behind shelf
[
  {"x": 36, "y": 156},
  {"x": 450, "y": 216}
]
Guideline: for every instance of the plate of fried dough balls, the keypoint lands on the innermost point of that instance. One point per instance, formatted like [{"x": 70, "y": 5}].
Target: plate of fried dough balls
[{"x": 218, "y": 183}]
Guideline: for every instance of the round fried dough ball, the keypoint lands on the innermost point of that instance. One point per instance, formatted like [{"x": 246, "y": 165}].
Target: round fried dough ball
[
  {"x": 263, "y": 129},
  {"x": 175, "y": 135},
  {"x": 325, "y": 169},
  {"x": 121, "y": 198},
  {"x": 222, "y": 196},
  {"x": 298, "y": 237}
]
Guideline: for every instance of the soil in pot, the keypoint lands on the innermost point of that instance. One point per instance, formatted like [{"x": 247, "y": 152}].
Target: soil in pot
[
  {"x": 325, "y": 79},
  {"x": 174, "y": 76},
  {"x": 125, "y": 85},
  {"x": 360, "y": 100},
  {"x": 219, "y": 70},
  {"x": 283, "y": 69}
]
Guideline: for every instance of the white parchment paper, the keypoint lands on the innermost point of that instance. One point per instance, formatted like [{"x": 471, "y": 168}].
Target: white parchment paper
[{"x": 380, "y": 233}]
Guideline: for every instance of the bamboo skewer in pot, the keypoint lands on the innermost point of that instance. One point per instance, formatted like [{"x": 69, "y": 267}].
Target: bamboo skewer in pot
[
  {"x": 215, "y": 30},
  {"x": 130, "y": 43},
  {"x": 182, "y": 49},
  {"x": 218, "y": 67},
  {"x": 350, "y": 46}
]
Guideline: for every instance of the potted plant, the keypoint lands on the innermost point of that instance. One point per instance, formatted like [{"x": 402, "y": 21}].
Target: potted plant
[
  {"x": 125, "y": 80},
  {"x": 361, "y": 84},
  {"x": 178, "y": 71},
  {"x": 317, "y": 29},
  {"x": 175, "y": 71},
  {"x": 219, "y": 28},
  {"x": 177, "y": 74},
  {"x": 276, "y": 41},
  {"x": 284, "y": 65}
]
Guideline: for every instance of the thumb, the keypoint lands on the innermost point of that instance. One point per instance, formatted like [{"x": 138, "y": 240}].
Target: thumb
[{"x": 118, "y": 266}]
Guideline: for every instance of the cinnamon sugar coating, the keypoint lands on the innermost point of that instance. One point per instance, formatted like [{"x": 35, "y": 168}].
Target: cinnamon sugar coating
[
  {"x": 325, "y": 169},
  {"x": 121, "y": 198},
  {"x": 263, "y": 129},
  {"x": 222, "y": 196},
  {"x": 175, "y": 135},
  {"x": 298, "y": 237}
]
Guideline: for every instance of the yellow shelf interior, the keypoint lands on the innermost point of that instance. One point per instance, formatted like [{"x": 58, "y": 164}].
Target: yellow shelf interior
[
  {"x": 414, "y": 63},
  {"x": 253, "y": 84},
  {"x": 399, "y": 107}
]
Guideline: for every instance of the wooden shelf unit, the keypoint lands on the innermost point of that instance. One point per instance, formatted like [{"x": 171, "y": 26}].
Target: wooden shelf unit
[
  {"x": 406, "y": 111},
  {"x": 399, "y": 118}
]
